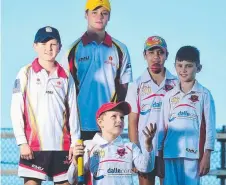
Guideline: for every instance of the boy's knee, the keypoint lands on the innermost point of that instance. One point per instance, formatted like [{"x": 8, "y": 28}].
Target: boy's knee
[
  {"x": 62, "y": 183},
  {"x": 32, "y": 181}
]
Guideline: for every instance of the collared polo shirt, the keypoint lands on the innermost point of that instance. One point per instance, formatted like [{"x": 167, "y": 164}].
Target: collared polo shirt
[
  {"x": 187, "y": 123},
  {"x": 145, "y": 98},
  {"x": 43, "y": 109},
  {"x": 98, "y": 70},
  {"x": 112, "y": 162}
]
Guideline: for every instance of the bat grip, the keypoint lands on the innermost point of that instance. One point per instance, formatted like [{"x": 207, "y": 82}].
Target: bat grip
[{"x": 80, "y": 166}]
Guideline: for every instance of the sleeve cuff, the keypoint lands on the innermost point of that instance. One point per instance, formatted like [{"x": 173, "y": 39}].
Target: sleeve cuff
[
  {"x": 126, "y": 80},
  {"x": 72, "y": 173},
  {"x": 209, "y": 148},
  {"x": 21, "y": 140}
]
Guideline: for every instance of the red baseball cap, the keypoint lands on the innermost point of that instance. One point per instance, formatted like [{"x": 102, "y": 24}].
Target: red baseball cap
[{"x": 123, "y": 106}]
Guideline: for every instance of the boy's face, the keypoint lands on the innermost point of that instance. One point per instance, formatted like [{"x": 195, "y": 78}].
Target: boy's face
[
  {"x": 98, "y": 18},
  {"x": 155, "y": 58},
  {"x": 186, "y": 71},
  {"x": 47, "y": 51},
  {"x": 111, "y": 122}
]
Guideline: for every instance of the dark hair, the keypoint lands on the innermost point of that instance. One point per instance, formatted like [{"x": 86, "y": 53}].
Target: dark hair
[
  {"x": 155, "y": 47},
  {"x": 188, "y": 53}
]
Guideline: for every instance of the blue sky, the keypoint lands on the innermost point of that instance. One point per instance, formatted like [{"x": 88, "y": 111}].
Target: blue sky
[{"x": 199, "y": 23}]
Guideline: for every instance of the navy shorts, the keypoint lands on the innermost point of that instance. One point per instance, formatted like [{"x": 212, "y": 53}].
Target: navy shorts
[{"x": 46, "y": 165}]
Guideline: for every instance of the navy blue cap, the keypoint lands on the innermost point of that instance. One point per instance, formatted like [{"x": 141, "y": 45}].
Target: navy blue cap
[{"x": 45, "y": 33}]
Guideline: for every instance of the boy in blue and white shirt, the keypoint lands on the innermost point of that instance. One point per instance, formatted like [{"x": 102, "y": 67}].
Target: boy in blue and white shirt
[
  {"x": 100, "y": 66},
  {"x": 186, "y": 131}
]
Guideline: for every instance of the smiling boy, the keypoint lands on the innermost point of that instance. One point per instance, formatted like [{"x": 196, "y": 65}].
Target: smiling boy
[{"x": 186, "y": 131}]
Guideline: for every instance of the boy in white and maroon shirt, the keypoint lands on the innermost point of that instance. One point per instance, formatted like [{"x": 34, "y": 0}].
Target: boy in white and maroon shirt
[
  {"x": 44, "y": 113},
  {"x": 145, "y": 96},
  {"x": 186, "y": 131},
  {"x": 108, "y": 159}
]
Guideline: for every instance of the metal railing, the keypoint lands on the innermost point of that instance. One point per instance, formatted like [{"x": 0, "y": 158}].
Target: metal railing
[{"x": 10, "y": 157}]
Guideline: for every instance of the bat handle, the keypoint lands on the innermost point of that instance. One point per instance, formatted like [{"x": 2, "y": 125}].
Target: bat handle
[{"x": 80, "y": 163}]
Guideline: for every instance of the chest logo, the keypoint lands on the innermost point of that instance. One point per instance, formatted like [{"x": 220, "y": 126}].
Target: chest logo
[
  {"x": 175, "y": 100},
  {"x": 83, "y": 59},
  {"x": 110, "y": 61},
  {"x": 168, "y": 87},
  {"x": 38, "y": 81},
  {"x": 49, "y": 92},
  {"x": 99, "y": 153},
  {"x": 59, "y": 84},
  {"x": 121, "y": 152},
  {"x": 146, "y": 90},
  {"x": 194, "y": 98}
]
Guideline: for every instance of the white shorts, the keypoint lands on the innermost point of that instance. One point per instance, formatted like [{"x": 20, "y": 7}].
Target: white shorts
[{"x": 181, "y": 171}]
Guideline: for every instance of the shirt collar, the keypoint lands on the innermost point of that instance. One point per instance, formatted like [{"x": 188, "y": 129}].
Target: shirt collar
[
  {"x": 107, "y": 40},
  {"x": 197, "y": 87},
  {"x": 101, "y": 141},
  {"x": 146, "y": 76},
  {"x": 37, "y": 68}
]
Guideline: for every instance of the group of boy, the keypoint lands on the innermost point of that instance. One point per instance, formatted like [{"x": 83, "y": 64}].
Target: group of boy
[{"x": 171, "y": 120}]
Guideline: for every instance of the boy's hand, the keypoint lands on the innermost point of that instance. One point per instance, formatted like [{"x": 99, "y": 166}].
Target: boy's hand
[
  {"x": 78, "y": 151},
  {"x": 204, "y": 167},
  {"x": 26, "y": 152},
  {"x": 149, "y": 133}
]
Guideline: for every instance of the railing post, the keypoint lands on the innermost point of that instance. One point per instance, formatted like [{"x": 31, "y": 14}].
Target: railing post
[{"x": 223, "y": 156}]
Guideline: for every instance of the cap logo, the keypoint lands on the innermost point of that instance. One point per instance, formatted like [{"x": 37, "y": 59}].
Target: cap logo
[
  {"x": 49, "y": 29},
  {"x": 101, "y": 2},
  {"x": 153, "y": 41}
]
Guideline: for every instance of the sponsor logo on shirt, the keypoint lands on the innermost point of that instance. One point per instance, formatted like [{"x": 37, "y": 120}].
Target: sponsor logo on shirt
[
  {"x": 145, "y": 90},
  {"x": 175, "y": 100},
  {"x": 118, "y": 171},
  {"x": 49, "y": 92},
  {"x": 187, "y": 115},
  {"x": 99, "y": 153},
  {"x": 128, "y": 66},
  {"x": 97, "y": 176},
  {"x": 58, "y": 84},
  {"x": 172, "y": 118},
  {"x": 111, "y": 167},
  {"x": 110, "y": 61},
  {"x": 191, "y": 150},
  {"x": 145, "y": 109},
  {"x": 16, "y": 87},
  {"x": 157, "y": 105},
  {"x": 83, "y": 59},
  {"x": 38, "y": 81}
]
